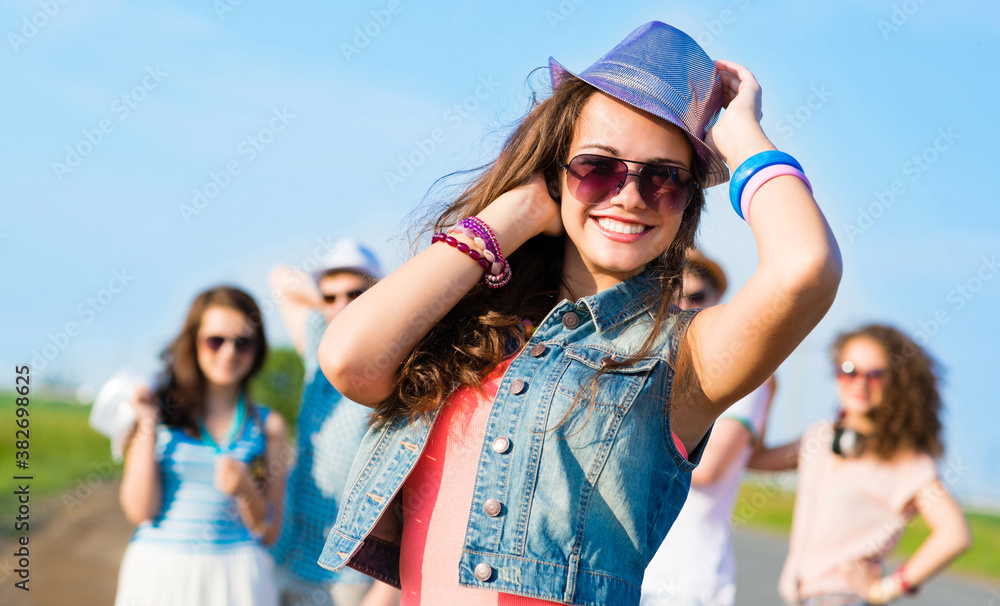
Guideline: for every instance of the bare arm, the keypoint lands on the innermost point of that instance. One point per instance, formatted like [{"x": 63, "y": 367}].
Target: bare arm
[
  {"x": 141, "y": 491},
  {"x": 729, "y": 438},
  {"x": 277, "y": 457},
  {"x": 296, "y": 295},
  {"x": 729, "y": 349},
  {"x": 950, "y": 535},
  {"x": 233, "y": 478},
  {"x": 778, "y": 458},
  {"x": 365, "y": 344}
]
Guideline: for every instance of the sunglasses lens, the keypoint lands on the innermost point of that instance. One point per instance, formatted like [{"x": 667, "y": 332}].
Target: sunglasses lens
[
  {"x": 243, "y": 344},
  {"x": 666, "y": 188},
  {"x": 214, "y": 343},
  {"x": 593, "y": 179}
]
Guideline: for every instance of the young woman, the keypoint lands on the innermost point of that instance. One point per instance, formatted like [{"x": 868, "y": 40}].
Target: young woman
[
  {"x": 864, "y": 477},
  {"x": 204, "y": 469},
  {"x": 530, "y": 441}
]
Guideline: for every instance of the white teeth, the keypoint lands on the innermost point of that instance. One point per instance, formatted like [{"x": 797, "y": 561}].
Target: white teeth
[{"x": 620, "y": 227}]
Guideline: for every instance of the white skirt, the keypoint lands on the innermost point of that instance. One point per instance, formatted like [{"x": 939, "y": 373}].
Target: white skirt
[{"x": 151, "y": 575}]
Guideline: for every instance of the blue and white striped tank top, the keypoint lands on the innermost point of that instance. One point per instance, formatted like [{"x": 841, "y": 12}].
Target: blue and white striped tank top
[{"x": 195, "y": 516}]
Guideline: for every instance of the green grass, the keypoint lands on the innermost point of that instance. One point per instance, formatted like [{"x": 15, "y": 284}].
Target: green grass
[
  {"x": 66, "y": 454},
  {"x": 772, "y": 510}
]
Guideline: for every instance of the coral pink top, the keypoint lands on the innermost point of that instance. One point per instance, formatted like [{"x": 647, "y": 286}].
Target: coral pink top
[
  {"x": 437, "y": 497},
  {"x": 436, "y": 500}
]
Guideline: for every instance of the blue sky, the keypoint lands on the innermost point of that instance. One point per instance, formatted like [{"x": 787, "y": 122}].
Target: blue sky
[{"x": 153, "y": 149}]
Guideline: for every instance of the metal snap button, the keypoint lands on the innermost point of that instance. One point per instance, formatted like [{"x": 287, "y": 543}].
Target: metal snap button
[
  {"x": 483, "y": 571},
  {"x": 570, "y": 320},
  {"x": 501, "y": 445},
  {"x": 537, "y": 350},
  {"x": 517, "y": 386},
  {"x": 492, "y": 507}
]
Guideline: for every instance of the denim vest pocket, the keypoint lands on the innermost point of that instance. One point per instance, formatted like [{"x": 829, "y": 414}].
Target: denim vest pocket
[{"x": 616, "y": 387}]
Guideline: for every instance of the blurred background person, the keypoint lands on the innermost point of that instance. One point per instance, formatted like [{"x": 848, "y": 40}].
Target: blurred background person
[
  {"x": 695, "y": 564},
  {"x": 329, "y": 431},
  {"x": 862, "y": 478},
  {"x": 203, "y": 476}
]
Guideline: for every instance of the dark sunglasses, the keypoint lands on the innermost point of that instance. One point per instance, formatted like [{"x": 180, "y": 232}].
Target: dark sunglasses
[
  {"x": 352, "y": 295},
  {"x": 240, "y": 344},
  {"x": 593, "y": 179},
  {"x": 696, "y": 298},
  {"x": 848, "y": 374}
]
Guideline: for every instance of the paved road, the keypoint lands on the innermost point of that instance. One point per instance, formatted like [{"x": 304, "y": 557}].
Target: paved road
[
  {"x": 75, "y": 557},
  {"x": 760, "y": 555}
]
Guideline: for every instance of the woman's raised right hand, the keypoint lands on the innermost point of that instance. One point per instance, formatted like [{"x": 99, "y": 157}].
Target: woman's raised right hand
[
  {"x": 522, "y": 213},
  {"x": 143, "y": 402}
]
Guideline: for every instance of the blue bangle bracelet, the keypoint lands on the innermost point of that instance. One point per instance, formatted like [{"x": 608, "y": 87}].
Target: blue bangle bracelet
[{"x": 747, "y": 170}]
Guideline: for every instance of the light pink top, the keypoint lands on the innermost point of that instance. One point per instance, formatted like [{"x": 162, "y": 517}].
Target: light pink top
[{"x": 847, "y": 510}]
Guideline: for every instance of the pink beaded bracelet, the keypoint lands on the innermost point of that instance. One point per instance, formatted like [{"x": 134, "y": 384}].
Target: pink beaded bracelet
[
  {"x": 462, "y": 247},
  {"x": 763, "y": 176},
  {"x": 499, "y": 273}
]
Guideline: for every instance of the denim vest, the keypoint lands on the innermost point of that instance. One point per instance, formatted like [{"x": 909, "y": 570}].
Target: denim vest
[{"x": 570, "y": 501}]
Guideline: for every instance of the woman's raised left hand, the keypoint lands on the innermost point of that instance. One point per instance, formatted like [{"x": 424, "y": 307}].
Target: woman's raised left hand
[{"x": 738, "y": 135}]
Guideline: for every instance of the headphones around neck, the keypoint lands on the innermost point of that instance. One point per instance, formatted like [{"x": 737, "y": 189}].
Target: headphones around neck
[{"x": 846, "y": 443}]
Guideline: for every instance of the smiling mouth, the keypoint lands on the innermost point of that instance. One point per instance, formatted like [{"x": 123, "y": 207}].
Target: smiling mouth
[{"x": 624, "y": 228}]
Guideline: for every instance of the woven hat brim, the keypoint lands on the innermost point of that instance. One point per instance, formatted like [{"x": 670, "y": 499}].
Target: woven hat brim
[{"x": 713, "y": 169}]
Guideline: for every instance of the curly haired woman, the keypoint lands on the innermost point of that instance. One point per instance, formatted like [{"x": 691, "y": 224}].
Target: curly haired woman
[{"x": 865, "y": 476}]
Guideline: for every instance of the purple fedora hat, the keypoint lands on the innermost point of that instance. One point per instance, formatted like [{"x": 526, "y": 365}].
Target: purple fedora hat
[{"x": 662, "y": 70}]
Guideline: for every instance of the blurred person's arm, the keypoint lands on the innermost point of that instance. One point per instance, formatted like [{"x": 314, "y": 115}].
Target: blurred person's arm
[
  {"x": 260, "y": 509},
  {"x": 381, "y": 594},
  {"x": 778, "y": 458},
  {"x": 278, "y": 456},
  {"x": 950, "y": 535},
  {"x": 141, "y": 492},
  {"x": 297, "y": 296},
  {"x": 729, "y": 438},
  {"x": 733, "y": 432}
]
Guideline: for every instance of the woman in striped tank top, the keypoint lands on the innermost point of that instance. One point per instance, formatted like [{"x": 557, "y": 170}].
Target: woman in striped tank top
[{"x": 203, "y": 478}]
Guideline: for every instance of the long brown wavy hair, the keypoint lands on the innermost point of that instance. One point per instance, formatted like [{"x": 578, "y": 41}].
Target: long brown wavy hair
[
  {"x": 485, "y": 326},
  {"x": 181, "y": 391},
  {"x": 909, "y": 416}
]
